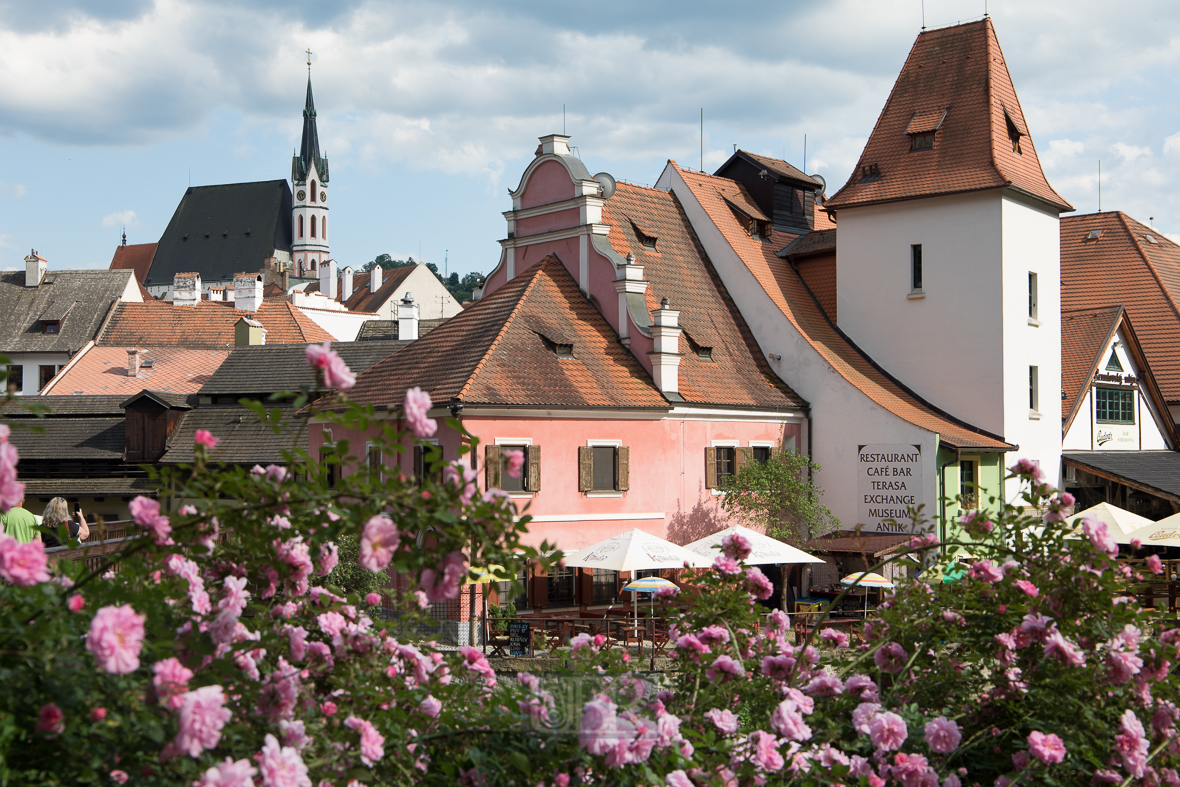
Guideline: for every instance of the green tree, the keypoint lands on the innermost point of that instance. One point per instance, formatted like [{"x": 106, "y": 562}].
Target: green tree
[
  {"x": 779, "y": 495},
  {"x": 349, "y": 575}
]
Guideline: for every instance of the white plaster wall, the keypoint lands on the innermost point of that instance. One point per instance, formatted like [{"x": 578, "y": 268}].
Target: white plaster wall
[
  {"x": 343, "y": 325},
  {"x": 131, "y": 293},
  {"x": 946, "y": 346},
  {"x": 842, "y": 417},
  {"x": 31, "y": 362},
  {"x": 1031, "y": 243},
  {"x": 434, "y": 301},
  {"x": 1080, "y": 436}
]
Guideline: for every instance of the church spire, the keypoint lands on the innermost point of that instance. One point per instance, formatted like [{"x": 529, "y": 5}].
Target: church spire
[{"x": 309, "y": 151}]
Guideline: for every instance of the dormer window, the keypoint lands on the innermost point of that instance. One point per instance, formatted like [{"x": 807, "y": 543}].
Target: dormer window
[
  {"x": 922, "y": 142},
  {"x": 645, "y": 239},
  {"x": 51, "y": 326},
  {"x": 1014, "y": 132},
  {"x": 1114, "y": 365},
  {"x": 565, "y": 352}
]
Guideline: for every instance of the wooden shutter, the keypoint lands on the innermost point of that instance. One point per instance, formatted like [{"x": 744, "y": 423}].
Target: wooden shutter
[
  {"x": 491, "y": 466},
  {"x": 585, "y": 468},
  {"x": 710, "y": 468},
  {"x": 742, "y": 457},
  {"x": 623, "y": 468},
  {"x": 533, "y": 459}
]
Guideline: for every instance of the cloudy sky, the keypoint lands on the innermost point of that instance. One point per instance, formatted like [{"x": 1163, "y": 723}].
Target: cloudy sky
[{"x": 429, "y": 111}]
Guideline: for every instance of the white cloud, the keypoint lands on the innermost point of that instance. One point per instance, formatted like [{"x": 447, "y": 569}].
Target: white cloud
[
  {"x": 1172, "y": 143},
  {"x": 122, "y": 218},
  {"x": 12, "y": 190},
  {"x": 1129, "y": 153}
]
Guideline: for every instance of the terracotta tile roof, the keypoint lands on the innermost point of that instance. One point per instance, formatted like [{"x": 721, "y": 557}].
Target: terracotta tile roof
[
  {"x": 787, "y": 290},
  {"x": 361, "y": 299},
  {"x": 137, "y": 257},
  {"x": 679, "y": 269},
  {"x": 103, "y": 370},
  {"x": 1085, "y": 333},
  {"x": 500, "y": 352},
  {"x": 1122, "y": 267},
  {"x": 958, "y": 70},
  {"x": 823, "y": 219},
  {"x": 206, "y": 324},
  {"x": 819, "y": 274}
]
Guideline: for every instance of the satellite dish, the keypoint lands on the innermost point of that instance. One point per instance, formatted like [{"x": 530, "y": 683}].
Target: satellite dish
[
  {"x": 823, "y": 184},
  {"x": 607, "y": 182}
]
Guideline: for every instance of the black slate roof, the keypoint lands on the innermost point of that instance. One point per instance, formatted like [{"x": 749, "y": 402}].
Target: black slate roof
[
  {"x": 386, "y": 330},
  {"x": 218, "y": 231},
  {"x": 1153, "y": 470},
  {"x": 264, "y": 369},
  {"x": 64, "y": 406},
  {"x": 243, "y": 440},
  {"x": 80, "y": 299},
  {"x": 71, "y": 439}
]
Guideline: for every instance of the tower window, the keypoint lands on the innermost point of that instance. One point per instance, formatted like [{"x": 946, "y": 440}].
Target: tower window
[
  {"x": 300, "y": 222},
  {"x": 313, "y": 226},
  {"x": 313, "y": 191},
  {"x": 1032, "y": 295},
  {"x": 1034, "y": 389},
  {"x": 324, "y": 228},
  {"x": 916, "y": 267}
]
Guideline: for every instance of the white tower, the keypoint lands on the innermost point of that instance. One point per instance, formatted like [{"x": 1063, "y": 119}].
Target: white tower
[{"x": 309, "y": 186}]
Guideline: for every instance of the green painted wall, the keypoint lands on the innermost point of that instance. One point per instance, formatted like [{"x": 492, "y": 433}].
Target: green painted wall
[{"x": 990, "y": 474}]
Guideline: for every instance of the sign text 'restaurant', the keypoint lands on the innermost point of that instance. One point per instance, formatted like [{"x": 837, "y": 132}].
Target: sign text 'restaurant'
[{"x": 889, "y": 481}]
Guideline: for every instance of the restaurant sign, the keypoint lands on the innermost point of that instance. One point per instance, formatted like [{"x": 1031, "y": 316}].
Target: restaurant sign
[{"x": 889, "y": 480}]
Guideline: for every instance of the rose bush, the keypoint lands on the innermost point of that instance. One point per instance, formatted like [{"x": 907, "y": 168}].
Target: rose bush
[{"x": 205, "y": 652}]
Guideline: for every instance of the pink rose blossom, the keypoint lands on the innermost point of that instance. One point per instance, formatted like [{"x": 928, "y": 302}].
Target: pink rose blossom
[
  {"x": 50, "y": 720},
  {"x": 1123, "y": 666},
  {"x": 281, "y": 766},
  {"x": 1048, "y": 748},
  {"x": 736, "y": 547},
  {"x": 677, "y": 779},
  {"x": 98, "y": 714},
  {"x": 171, "y": 678},
  {"x": 430, "y": 706},
  {"x": 378, "y": 542},
  {"x": 76, "y": 603},
  {"x": 335, "y": 371},
  {"x": 372, "y": 742},
  {"x": 725, "y": 721},
  {"x": 1099, "y": 535},
  {"x": 765, "y": 751},
  {"x": 23, "y": 565},
  {"x": 888, "y": 731},
  {"x": 116, "y": 638},
  {"x": 146, "y": 513},
  {"x": 236, "y": 595},
  {"x": 11, "y": 490},
  {"x": 983, "y": 570},
  {"x": 119, "y": 776},
  {"x": 788, "y": 721},
  {"x": 202, "y": 715},
  {"x": 757, "y": 585},
  {"x": 834, "y": 637},
  {"x": 1029, "y": 467},
  {"x": 597, "y": 733},
  {"x": 1154, "y": 564},
  {"x": 825, "y": 685},
  {"x": 372, "y": 599},
  {"x": 862, "y": 687},
  {"x": 1132, "y": 745},
  {"x": 443, "y": 584},
  {"x": 942, "y": 735},
  {"x": 229, "y": 774},
  {"x": 329, "y": 558},
  {"x": 891, "y": 657},
  {"x": 726, "y": 565},
  {"x": 863, "y": 714},
  {"x": 205, "y": 438},
  {"x": 1026, "y": 587},
  {"x": 417, "y": 405},
  {"x": 1056, "y": 645},
  {"x": 724, "y": 669},
  {"x": 514, "y": 461}
]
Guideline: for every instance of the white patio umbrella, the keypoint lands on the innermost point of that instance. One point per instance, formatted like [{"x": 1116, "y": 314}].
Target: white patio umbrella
[
  {"x": 764, "y": 549},
  {"x": 635, "y": 550},
  {"x": 1120, "y": 522},
  {"x": 1164, "y": 533}
]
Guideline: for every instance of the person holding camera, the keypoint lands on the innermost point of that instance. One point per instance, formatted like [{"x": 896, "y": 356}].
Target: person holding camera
[{"x": 57, "y": 513}]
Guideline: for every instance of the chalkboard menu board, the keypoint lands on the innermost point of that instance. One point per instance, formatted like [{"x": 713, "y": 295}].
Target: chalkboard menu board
[{"x": 518, "y": 637}]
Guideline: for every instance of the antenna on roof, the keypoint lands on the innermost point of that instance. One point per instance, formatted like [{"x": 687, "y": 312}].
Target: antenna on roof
[
  {"x": 702, "y": 139},
  {"x": 923, "y": 14},
  {"x": 1099, "y": 185},
  {"x": 804, "y": 152}
]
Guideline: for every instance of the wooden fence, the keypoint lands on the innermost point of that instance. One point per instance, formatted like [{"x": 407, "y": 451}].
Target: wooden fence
[{"x": 105, "y": 537}]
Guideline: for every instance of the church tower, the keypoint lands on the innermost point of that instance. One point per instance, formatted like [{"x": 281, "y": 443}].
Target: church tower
[{"x": 309, "y": 186}]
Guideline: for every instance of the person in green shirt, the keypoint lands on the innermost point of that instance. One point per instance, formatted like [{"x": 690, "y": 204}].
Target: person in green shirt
[{"x": 20, "y": 524}]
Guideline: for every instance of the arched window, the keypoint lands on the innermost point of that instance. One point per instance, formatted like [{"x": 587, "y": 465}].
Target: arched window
[
  {"x": 313, "y": 226},
  {"x": 301, "y": 226},
  {"x": 324, "y": 228},
  {"x": 313, "y": 191}
]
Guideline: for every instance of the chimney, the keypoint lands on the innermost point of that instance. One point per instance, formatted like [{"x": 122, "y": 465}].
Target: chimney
[
  {"x": 216, "y": 294},
  {"x": 248, "y": 332},
  {"x": 375, "y": 278},
  {"x": 630, "y": 285},
  {"x": 346, "y": 283},
  {"x": 35, "y": 268},
  {"x": 557, "y": 144},
  {"x": 186, "y": 289},
  {"x": 328, "y": 279},
  {"x": 133, "y": 359},
  {"x": 275, "y": 272},
  {"x": 407, "y": 318},
  {"x": 665, "y": 354},
  {"x": 247, "y": 291}
]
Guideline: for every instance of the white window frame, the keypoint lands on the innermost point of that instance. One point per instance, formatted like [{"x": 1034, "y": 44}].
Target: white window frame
[
  {"x": 919, "y": 291},
  {"x": 978, "y": 460},
  {"x": 1034, "y": 383},
  {"x": 1034, "y": 299},
  {"x": 604, "y": 444},
  {"x": 724, "y": 444},
  {"x": 517, "y": 441},
  {"x": 771, "y": 444}
]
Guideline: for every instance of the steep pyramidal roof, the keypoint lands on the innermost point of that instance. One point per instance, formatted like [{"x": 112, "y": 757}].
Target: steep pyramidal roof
[
  {"x": 955, "y": 84},
  {"x": 309, "y": 148}
]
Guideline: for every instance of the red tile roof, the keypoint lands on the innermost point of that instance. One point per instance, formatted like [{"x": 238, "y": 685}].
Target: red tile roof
[
  {"x": 500, "y": 352},
  {"x": 819, "y": 274},
  {"x": 361, "y": 299},
  {"x": 137, "y": 257},
  {"x": 1122, "y": 267},
  {"x": 103, "y": 370},
  {"x": 679, "y": 269},
  {"x": 1084, "y": 336},
  {"x": 787, "y": 290},
  {"x": 958, "y": 70},
  {"x": 206, "y": 324}
]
